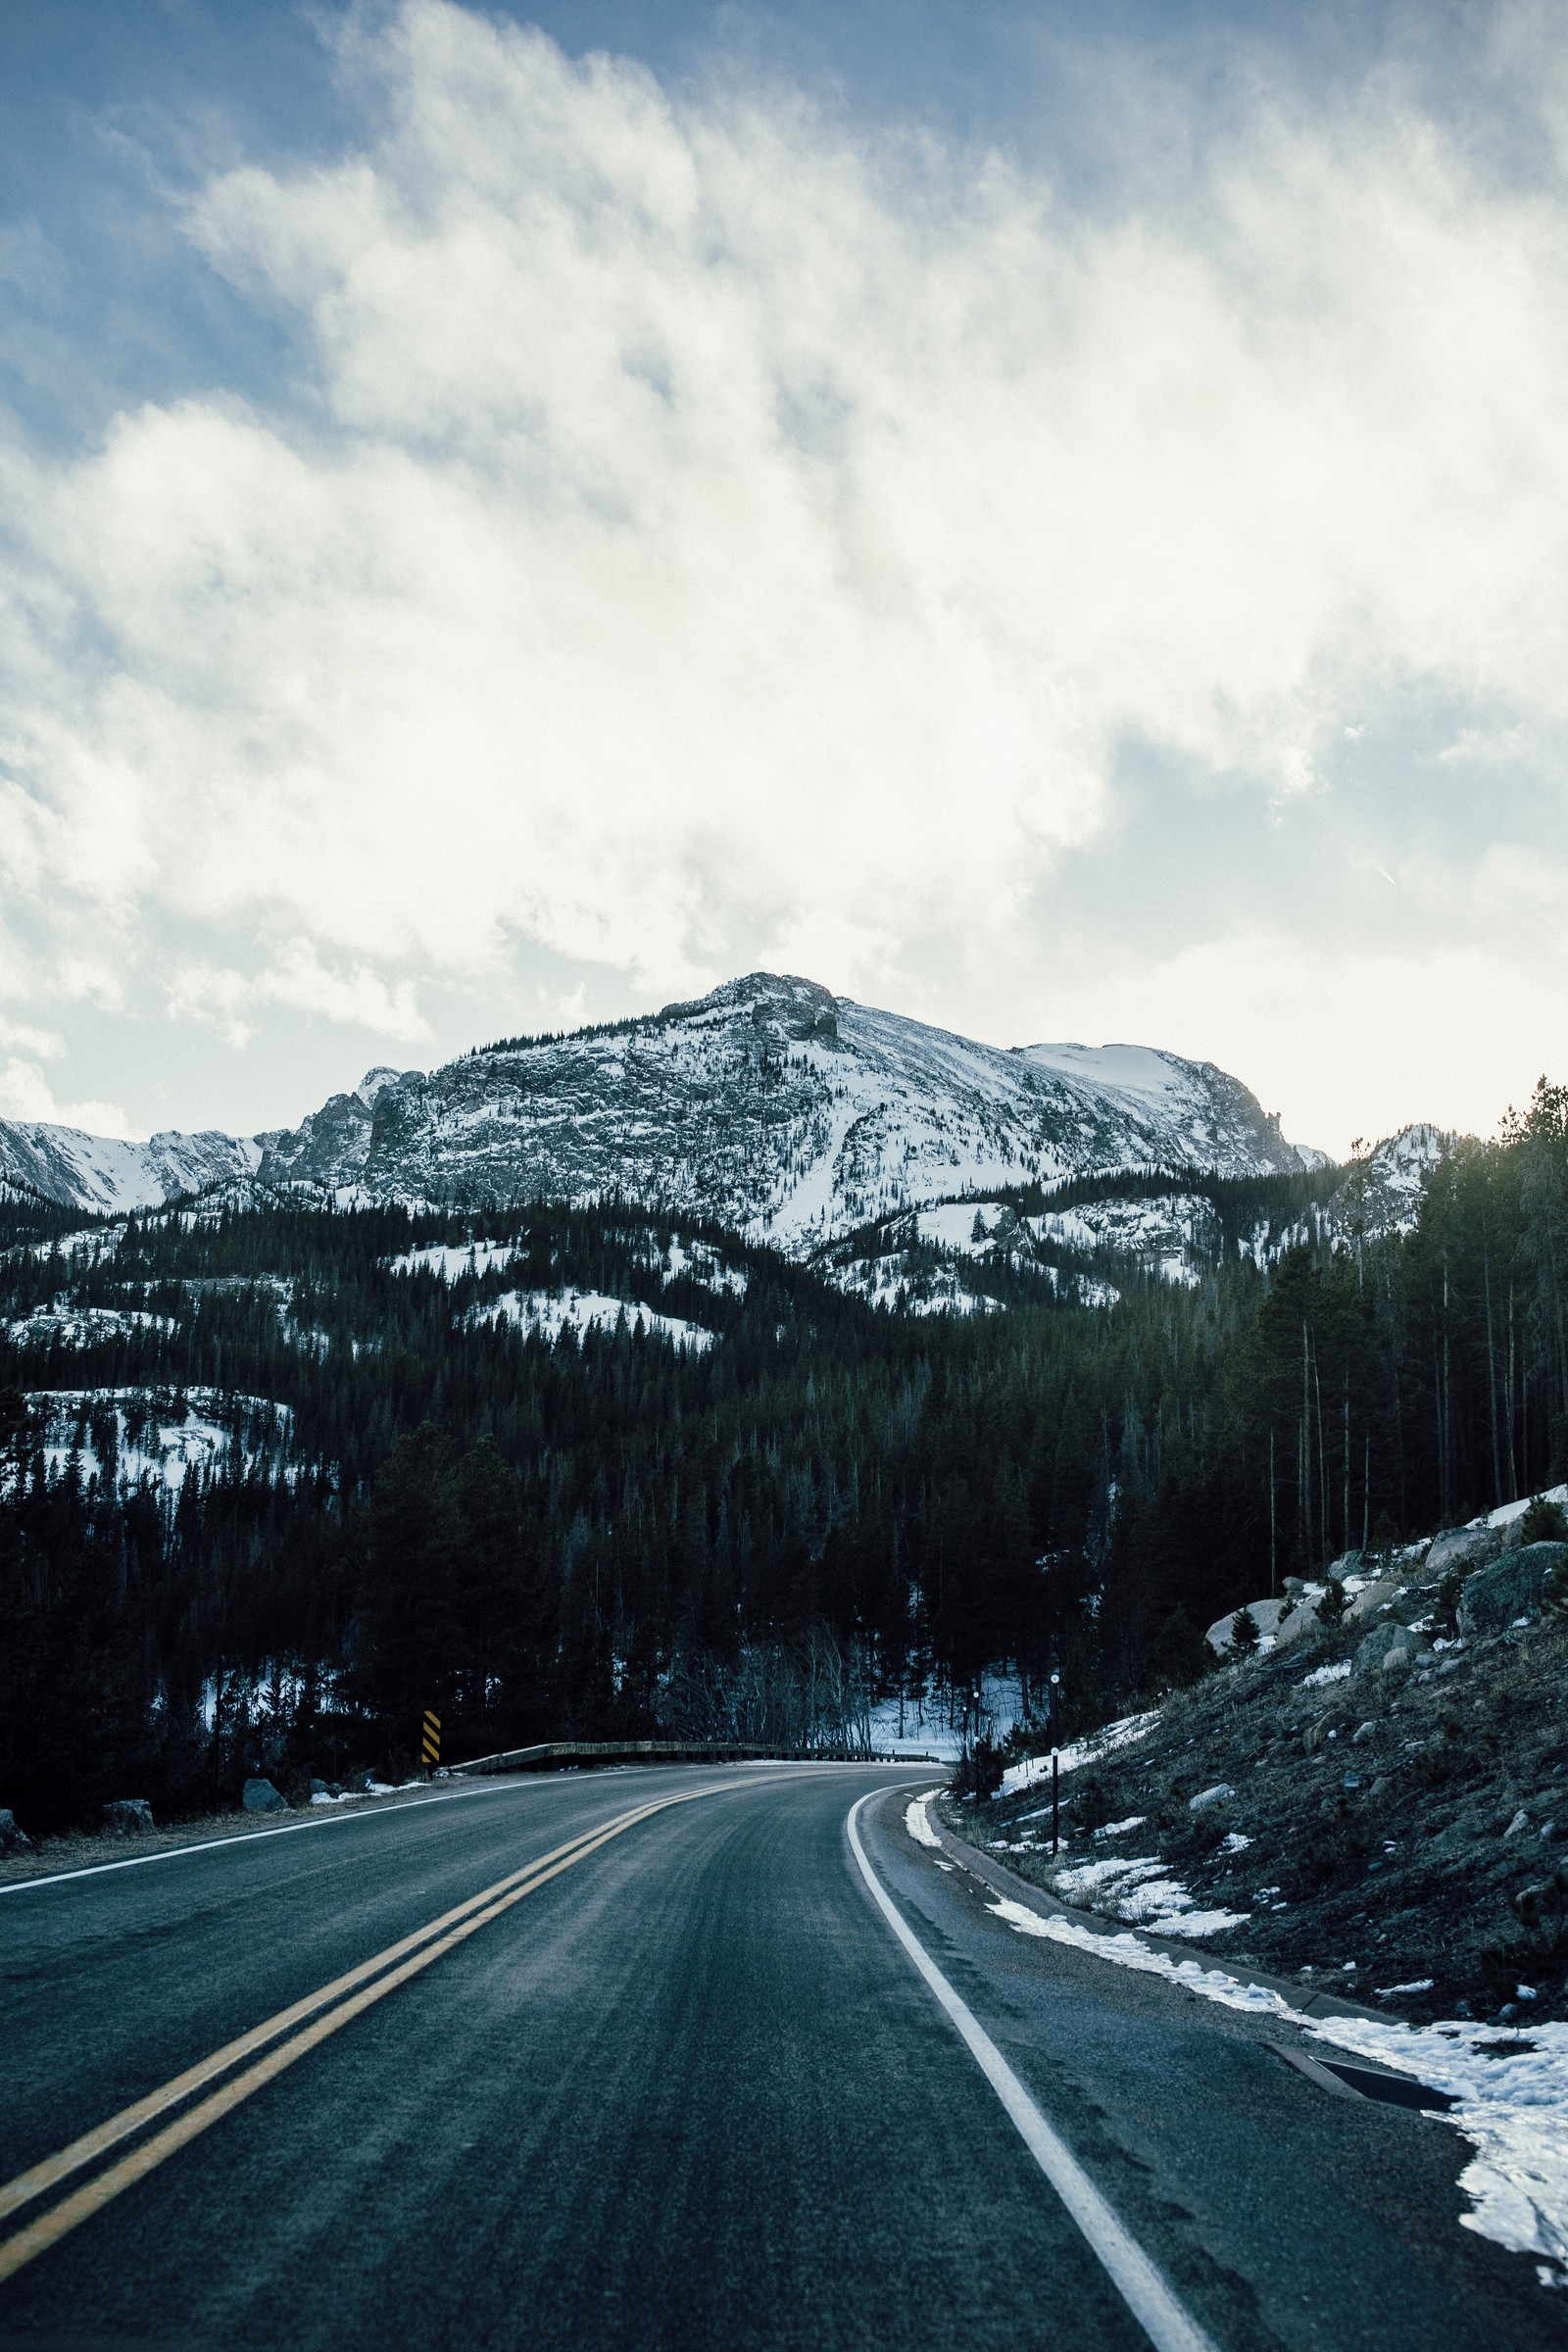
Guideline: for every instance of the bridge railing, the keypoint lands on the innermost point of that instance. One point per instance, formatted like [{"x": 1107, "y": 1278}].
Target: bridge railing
[{"x": 547, "y": 1753}]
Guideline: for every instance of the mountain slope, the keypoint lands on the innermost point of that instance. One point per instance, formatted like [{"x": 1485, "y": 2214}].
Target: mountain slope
[
  {"x": 781, "y": 1111},
  {"x": 100, "y": 1172}
]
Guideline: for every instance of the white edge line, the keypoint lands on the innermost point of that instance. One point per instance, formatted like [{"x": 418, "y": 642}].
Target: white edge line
[
  {"x": 1143, "y": 2287},
  {"x": 205, "y": 1845}
]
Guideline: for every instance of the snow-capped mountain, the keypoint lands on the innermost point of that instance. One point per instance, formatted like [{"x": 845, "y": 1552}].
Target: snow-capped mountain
[
  {"x": 771, "y": 1106},
  {"x": 100, "y": 1172},
  {"x": 1383, "y": 1191}
]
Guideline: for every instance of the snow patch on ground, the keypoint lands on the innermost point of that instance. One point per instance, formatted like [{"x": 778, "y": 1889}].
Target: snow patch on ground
[
  {"x": 126, "y": 1435},
  {"x": 1323, "y": 1675},
  {"x": 1130, "y": 1952},
  {"x": 454, "y": 1261},
  {"x": 548, "y": 1313},
  {"x": 917, "y": 1822},
  {"x": 704, "y": 1264},
  {"x": 1098, "y": 1743},
  {"x": 81, "y": 1326},
  {"x": 1138, "y": 1888},
  {"x": 1510, "y": 2089},
  {"x": 927, "y": 1729},
  {"x": 1511, "y": 2103},
  {"x": 1506, "y": 1513}
]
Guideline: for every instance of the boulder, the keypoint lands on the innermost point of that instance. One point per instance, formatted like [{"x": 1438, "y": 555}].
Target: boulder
[
  {"x": 1266, "y": 1615},
  {"x": 1511, "y": 1588},
  {"x": 1462, "y": 1548},
  {"x": 128, "y": 1817},
  {"x": 1210, "y": 1796},
  {"x": 1302, "y": 1618},
  {"x": 1371, "y": 1598},
  {"x": 11, "y": 1839},
  {"x": 1390, "y": 1647},
  {"x": 259, "y": 1797}
]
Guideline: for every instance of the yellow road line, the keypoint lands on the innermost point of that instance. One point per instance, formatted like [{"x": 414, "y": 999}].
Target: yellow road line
[
  {"x": 53, "y": 2168},
  {"x": 462, "y": 1921}
]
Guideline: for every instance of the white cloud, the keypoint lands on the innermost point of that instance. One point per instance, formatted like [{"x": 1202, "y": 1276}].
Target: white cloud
[
  {"x": 296, "y": 977},
  {"x": 25, "y": 1094},
  {"x": 706, "y": 540}
]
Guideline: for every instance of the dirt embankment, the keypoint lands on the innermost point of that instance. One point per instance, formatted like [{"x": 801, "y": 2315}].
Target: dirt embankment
[{"x": 1400, "y": 1831}]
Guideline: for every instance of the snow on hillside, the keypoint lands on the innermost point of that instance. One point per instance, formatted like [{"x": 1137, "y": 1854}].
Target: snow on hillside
[
  {"x": 98, "y": 1172},
  {"x": 1175, "y": 1235},
  {"x": 454, "y": 1261},
  {"x": 769, "y": 1105},
  {"x": 81, "y": 1326},
  {"x": 126, "y": 1435},
  {"x": 1383, "y": 1191},
  {"x": 546, "y": 1315}
]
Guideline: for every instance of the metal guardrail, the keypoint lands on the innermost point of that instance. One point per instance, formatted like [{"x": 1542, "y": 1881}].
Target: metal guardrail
[{"x": 666, "y": 1751}]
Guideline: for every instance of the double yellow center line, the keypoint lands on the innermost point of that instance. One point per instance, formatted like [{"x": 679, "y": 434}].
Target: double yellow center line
[{"x": 332, "y": 2006}]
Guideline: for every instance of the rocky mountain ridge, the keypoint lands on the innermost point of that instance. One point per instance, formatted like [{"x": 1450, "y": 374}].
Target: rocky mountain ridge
[{"x": 770, "y": 1104}]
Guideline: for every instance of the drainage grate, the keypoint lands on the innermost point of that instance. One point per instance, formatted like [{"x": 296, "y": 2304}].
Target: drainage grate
[
  {"x": 1394, "y": 2090},
  {"x": 1346, "y": 2081}
]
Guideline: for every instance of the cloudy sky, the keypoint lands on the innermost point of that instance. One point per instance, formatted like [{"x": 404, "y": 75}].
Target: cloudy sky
[{"x": 1052, "y": 518}]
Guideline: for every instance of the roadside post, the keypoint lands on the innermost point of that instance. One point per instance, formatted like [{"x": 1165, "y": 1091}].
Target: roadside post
[
  {"x": 1055, "y": 1769},
  {"x": 431, "y": 1738}
]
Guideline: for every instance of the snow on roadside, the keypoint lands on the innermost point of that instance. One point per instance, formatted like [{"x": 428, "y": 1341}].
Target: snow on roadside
[
  {"x": 1510, "y": 2094},
  {"x": 1130, "y": 1952},
  {"x": 917, "y": 1822},
  {"x": 1102, "y": 1743},
  {"x": 1139, "y": 1890},
  {"x": 1510, "y": 2088}
]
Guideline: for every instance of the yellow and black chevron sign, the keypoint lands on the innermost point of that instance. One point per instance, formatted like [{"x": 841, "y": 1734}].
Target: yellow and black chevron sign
[{"x": 431, "y": 1738}]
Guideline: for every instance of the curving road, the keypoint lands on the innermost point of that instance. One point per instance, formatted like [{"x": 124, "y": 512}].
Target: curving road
[{"x": 563, "y": 2063}]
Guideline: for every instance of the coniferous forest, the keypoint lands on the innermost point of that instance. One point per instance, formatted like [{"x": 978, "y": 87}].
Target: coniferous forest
[{"x": 605, "y": 1535}]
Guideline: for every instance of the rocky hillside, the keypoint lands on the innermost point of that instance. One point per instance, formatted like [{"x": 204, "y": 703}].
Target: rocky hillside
[
  {"x": 1377, "y": 1801},
  {"x": 100, "y": 1173},
  {"x": 783, "y": 1112}
]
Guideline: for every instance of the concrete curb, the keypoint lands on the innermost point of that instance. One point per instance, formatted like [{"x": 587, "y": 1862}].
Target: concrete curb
[{"x": 1004, "y": 1881}]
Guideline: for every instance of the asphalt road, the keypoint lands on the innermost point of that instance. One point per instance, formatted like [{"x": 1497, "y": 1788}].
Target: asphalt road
[{"x": 688, "y": 2091}]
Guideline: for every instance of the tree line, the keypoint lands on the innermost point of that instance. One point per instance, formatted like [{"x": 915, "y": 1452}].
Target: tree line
[{"x": 601, "y": 1535}]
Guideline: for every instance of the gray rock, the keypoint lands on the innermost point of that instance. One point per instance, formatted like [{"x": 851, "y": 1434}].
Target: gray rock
[
  {"x": 1495, "y": 1596},
  {"x": 259, "y": 1797},
  {"x": 1465, "y": 1548},
  {"x": 1371, "y": 1598},
  {"x": 1303, "y": 1619},
  {"x": 11, "y": 1839},
  {"x": 128, "y": 1817},
  {"x": 323, "y": 1788},
  {"x": 1210, "y": 1796},
  {"x": 1384, "y": 1641},
  {"x": 1265, "y": 1614},
  {"x": 1362, "y": 1734}
]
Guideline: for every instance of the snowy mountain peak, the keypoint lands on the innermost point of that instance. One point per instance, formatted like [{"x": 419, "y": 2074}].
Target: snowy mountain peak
[
  {"x": 769, "y": 1104},
  {"x": 1383, "y": 1191}
]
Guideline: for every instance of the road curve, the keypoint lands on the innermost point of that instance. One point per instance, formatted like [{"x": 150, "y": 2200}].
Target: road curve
[{"x": 564, "y": 2063}]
